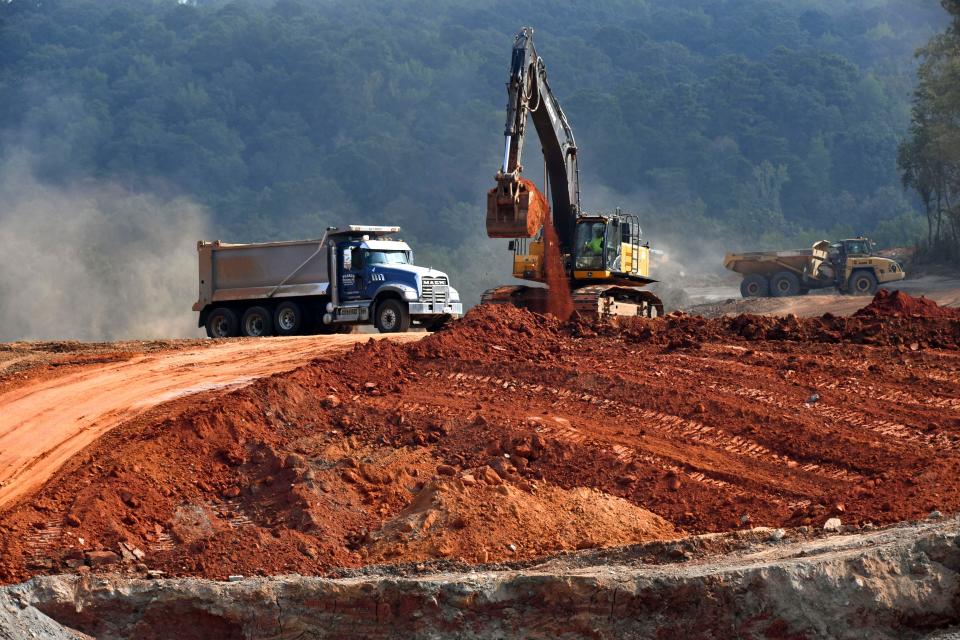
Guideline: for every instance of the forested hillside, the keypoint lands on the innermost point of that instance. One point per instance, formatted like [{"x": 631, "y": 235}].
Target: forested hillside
[
  {"x": 930, "y": 157},
  {"x": 749, "y": 120}
]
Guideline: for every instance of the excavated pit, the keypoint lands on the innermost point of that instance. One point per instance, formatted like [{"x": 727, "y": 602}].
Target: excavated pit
[
  {"x": 508, "y": 438},
  {"x": 898, "y": 583}
]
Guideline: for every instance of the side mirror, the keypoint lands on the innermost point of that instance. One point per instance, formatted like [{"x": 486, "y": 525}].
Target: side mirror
[{"x": 512, "y": 245}]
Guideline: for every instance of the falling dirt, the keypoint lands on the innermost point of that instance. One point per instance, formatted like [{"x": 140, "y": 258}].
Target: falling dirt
[
  {"x": 509, "y": 436},
  {"x": 559, "y": 301}
]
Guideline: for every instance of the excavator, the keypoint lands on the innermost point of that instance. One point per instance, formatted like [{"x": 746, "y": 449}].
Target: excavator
[{"x": 601, "y": 255}]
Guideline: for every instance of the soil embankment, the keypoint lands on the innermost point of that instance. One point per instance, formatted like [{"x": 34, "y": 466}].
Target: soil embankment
[
  {"x": 55, "y": 406},
  {"x": 511, "y": 436},
  {"x": 900, "y": 583}
]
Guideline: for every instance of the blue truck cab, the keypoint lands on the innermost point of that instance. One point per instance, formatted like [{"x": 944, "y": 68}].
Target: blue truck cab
[{"x": 376, "y": 280}]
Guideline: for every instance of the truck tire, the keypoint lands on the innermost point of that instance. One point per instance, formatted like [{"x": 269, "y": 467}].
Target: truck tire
[
  {"x": 783, "y": 284},
  {"x": 392, "y": 317},
  {"x": 257, "y": 322},
  {"x": 754, "y": 286},
  {"x": 222, "y": 323},
  {"x": 862, "y": 283},
  {"x": 288, "y": 319}
]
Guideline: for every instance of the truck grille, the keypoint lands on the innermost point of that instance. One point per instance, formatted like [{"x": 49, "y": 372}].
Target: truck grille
[{"x": 435, "y": 290}]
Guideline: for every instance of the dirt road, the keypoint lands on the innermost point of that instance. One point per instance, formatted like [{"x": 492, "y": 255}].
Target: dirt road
[
  {"x": 43, "y": 423},
  {"x": 713, "y": 302}
]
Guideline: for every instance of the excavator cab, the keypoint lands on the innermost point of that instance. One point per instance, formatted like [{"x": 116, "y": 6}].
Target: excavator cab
[{"x": 608, "y": 246}]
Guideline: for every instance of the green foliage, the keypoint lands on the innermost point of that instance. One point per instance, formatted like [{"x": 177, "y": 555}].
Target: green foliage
[
  {"x": 756, "y": 118},
  {"x": 929, "y": 159}
]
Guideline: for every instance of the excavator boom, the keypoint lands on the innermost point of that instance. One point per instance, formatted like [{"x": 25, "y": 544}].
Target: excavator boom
[
  {"x": 514, "y": 209},
  {"x": 600, "y": 257}
]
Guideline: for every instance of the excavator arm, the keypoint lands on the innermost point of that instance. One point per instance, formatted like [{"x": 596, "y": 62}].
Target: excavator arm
[{"x": 515, "y": 209}]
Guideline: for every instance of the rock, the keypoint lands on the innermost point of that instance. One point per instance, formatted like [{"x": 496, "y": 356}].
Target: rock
[
  {"x": 234, "y": 578},
  {"x": 74, "y": 563},
  {"x": 333, "y": 401},
  {"x": 72, "y": 520},
  {"x": 351, "y": 476},
  {"x": 490, "y": 476},
  {"x": 935, "y": 515},
  {"x": 745, "y": 518},
  {"x": 446, "y": 470},
  {"x": 777, "y": 535},
  {"x": 231, "y": 492},
  {"x": 674, "y": 483},
  {"x": 295, "y": 461},
  {"x": 369, "y": 387},
  {"x": 813, "y": 399},
  {"x": 101, "y": 558},
  {"x": 502, "y": 466},
  {"x": 833, "y": 524},
  {"x": 468, "y": 479}
]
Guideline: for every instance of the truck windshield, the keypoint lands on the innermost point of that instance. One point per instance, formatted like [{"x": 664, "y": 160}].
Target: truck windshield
[{"x": 386, "y": 257}]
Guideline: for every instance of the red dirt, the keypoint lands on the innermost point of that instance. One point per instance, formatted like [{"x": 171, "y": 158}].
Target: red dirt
[
  {"x": 559, "y": 300},
  {"x": 901, "y": 305},
  {"x": 517, "y": 435}
]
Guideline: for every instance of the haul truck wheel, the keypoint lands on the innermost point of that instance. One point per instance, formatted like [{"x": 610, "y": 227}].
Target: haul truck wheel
[
  {"x": 754, "y": 286},
  {"x": 392, "y": 317},
  {"x": 862, "y": 283},
  {"x": 288, "y": 319},
  {"x": 784, "y": 284},
  {"x": 257, "y": 322},
  {"x": 222, "y": 323}
]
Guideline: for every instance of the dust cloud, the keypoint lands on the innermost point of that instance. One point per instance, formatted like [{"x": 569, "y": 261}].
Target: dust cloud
[
  {"x": 687, "y": 248},
  {"x": 94, "y": 261}
]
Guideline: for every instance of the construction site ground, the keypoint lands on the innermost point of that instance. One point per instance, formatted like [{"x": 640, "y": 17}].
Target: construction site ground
[
  {"x": 722, "y": 297},
  {"x": 506, "y": 438}
]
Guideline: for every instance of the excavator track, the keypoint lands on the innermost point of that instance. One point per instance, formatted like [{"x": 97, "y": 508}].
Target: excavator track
[
  {"x": 595, "y": 301},
  {"x": 532, "y": 298},
  {"x": 606, "y": 301}
]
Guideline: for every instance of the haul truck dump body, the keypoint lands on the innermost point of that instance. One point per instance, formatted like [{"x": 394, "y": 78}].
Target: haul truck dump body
[
  {"x": 355, "y": 275},
  {"x": 848, "y": 265}
]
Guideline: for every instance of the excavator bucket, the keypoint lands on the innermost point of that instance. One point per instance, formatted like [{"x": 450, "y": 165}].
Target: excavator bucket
[{"x": 515, "y": 208}]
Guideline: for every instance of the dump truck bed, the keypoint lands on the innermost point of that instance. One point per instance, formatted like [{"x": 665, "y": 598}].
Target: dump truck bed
[
  {"x": 767, "y": 263},
  {"x": 263, "y": 270}
]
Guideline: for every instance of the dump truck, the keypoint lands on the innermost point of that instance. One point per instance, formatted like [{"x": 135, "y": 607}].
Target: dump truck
[
  {"x": 849, "y": 265},
  {"x": 355, "y": 275}
]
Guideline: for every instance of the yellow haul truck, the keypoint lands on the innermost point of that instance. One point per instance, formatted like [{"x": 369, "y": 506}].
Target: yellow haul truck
[{"x": 849, "y": 265}]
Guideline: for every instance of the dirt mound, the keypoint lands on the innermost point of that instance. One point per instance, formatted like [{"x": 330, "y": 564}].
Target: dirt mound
[
  {"x": 586, "y": 430},
  {"x": 902, "y": 305},
  {"x": 478, "y": 518}
]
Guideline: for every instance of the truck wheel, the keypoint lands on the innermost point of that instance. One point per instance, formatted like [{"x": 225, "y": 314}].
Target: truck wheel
[
  {"x": 257, "y": 322},
  {"x": 288, "y": 319},
  {"x": 862, "y": 283},
  {"x": 784, "y": 284},
  {"x": 392, "y": 317},
  {"x": 222, "y": 323},
  {"x": 754, "y": 286}
]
